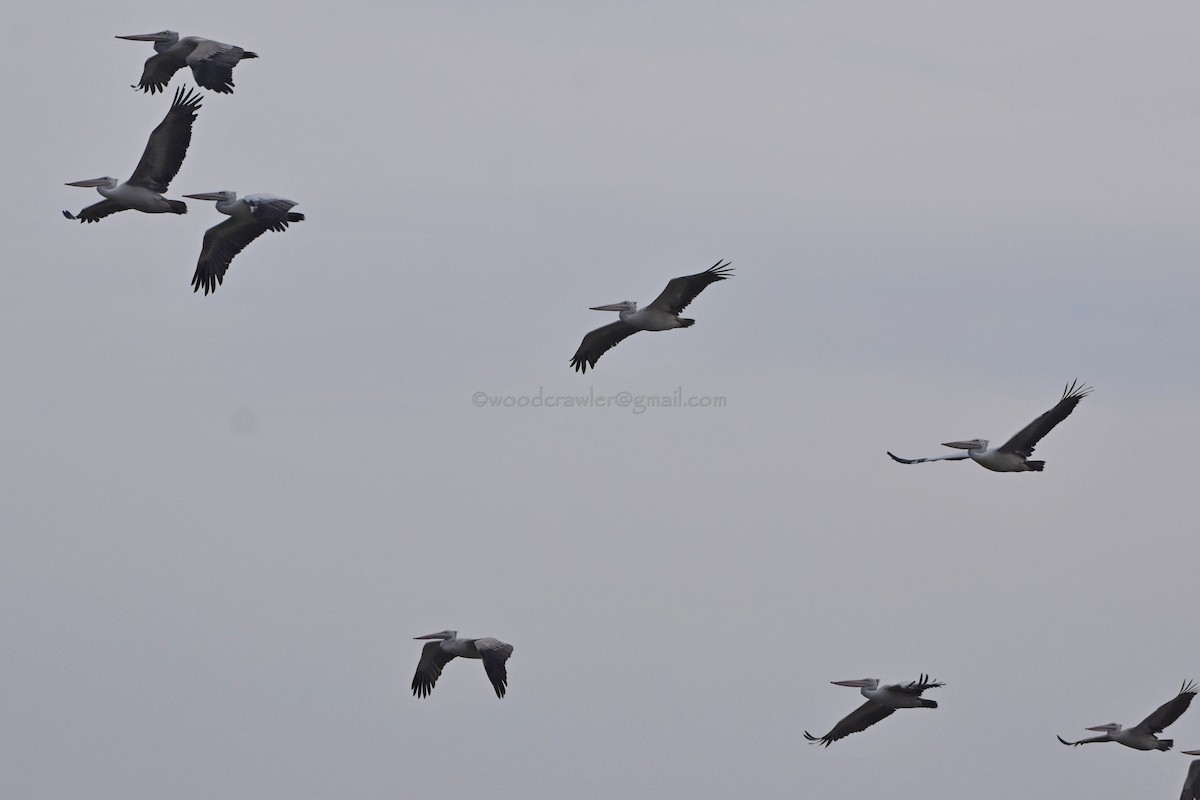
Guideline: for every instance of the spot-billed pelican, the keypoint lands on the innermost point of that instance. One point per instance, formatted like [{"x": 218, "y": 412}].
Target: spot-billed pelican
[
  {"x": 1191, "y": 784},
  {"x": 661, "y": 315},
  {"x": 1141, "y": 736},
  {"x": 212, "y": 62},
  {"x": 250, "y": 217},
  {"x": 881, "y": 702},
  {"x": 161, "y": 159},
  {"x": 436, "y": 655},
  {"x": 1013, "y": 455}
]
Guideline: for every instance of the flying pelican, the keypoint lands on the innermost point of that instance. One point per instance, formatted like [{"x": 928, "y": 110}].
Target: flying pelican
[
  {"x": 436, "y": 655},
  {"x": 1141, "y": 736},
  {"x": 249, "y": 218},
  {"x": 212, "y": 62},
  {"x": 881, "y": 702},
  {"x": 1012, "y": 455},
  {"x": 1191, "y": 784},
  {"x": 162, "y": 158},
  {"x": 661, "y": 315}
]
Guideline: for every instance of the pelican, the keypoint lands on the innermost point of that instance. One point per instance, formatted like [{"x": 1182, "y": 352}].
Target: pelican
[
  {"x": 250, "y": 217},
  {"x": 1141, "y": 736},
  {"x": 661, "y": 315},
  {"x": 162, "y": 158},
  {"x": 436, "y": 655},
  {"x": 881, "y": 702},
  {"x": 1013, "y": 455},
  {"x": 212, "y": 62},
  {"x": 1191, "y": 784}
]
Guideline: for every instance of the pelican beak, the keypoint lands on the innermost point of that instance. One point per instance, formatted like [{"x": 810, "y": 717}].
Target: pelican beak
[
  {"x": 145, "y": 37},
  {"x": 429, "y": 636},
  {"x": 857, "y": 684},
  {"x": 206, "y": 196},
  {"x": 1190, "y": 752},
  {"x": 89, "y": 182},
  {"x": 1107, "y": 727},
  {"x": 610, "y": 307},
  {"x": 968, "y": 444}
]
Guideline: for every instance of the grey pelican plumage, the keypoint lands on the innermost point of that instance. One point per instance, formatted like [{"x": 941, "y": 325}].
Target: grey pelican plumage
[
  {"x": 882, "y": 701},
  {"x": 212, "y": 62},
  {"x": 1191, "y": 784},
  {"x": 249, "y": 217},
  {"x": 437, "y": 654},
  {"x": 1142, "y": 736},
  {"x": 1013, "y": 455},
  {"x": 160, "y": 161},
  {"x": 660, "y": 315}
]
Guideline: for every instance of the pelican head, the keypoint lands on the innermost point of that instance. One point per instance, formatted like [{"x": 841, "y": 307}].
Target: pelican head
[
  {"x": 218, "y": 196},
  {"x": 106, "y": 182},
  {"x": 968, "y": 444},
  {"x": 1110, "y": 727},
  {"x": 163, "y": 37},
  {"x": 627, "y": 305},
  {"x": 859, "y": 683},
  {"x": 438, "y": 635}
]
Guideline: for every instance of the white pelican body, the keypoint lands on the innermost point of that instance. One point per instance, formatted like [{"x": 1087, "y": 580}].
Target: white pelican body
[
  {"x": 1191, "y": 785},
  {"x": 660, "y": 315},
  {"x": 882, "y": 702},
  {"x": 249, "y": 217},
  {"x": 1013, "y": 455},
  {"x": 212, "y": 62},
  {"x": 159, "y": 164},
  {"x": 437, "y": 654},
  {"x": 1142, "y": 736}
]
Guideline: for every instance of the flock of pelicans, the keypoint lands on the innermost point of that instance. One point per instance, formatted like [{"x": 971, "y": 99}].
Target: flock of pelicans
[{"x": 252, "y": 215}]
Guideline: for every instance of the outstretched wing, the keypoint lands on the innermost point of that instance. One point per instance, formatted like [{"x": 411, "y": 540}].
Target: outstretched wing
[
  {"x": 681, "y": 291},
  {"x": 433, "y": 658},
  {"x": 1085, "y": 741},
  {"x": 599, "y": 342},
  {"x": 221, "y": 243},
  {"x": 158, "y": 71},
  {"x": 212, "y": 64},
  {"x": 915, "y": 688},
  {"x": 1023, "y": 443},
  {"x": 857, "y": 720},
  {"x": 168, "y": 144},
  {"x": 96, "y": 211},
  {"x": 954, "y": 457},
  {"x": 1169, "y": 711},
  {"x": 494, "y": 653}
]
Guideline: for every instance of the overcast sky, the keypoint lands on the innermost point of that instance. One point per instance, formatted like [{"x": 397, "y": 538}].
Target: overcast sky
[{"x": 225, "y": 517}]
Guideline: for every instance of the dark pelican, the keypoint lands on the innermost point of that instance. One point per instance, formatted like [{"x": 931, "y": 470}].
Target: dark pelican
[
  {"x": 436, "y": 655},
  {"x": 250, "y": 217},
  {"x": 1191, "y": 784},
  {"x": 661, "y": 315},
  {"x": 161, "y": 159},
  {"x": 212, "y": 62},
  {"x": 882, "y": 701},
  {"x": 1013, "y": 455},
  {"x": 1142, "y": 736}
]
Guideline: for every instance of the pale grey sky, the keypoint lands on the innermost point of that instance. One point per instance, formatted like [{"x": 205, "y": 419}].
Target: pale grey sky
[{"x": 226, "y": 517}]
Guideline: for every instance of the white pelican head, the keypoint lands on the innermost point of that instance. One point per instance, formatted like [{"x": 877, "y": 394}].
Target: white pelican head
[
  {"x": 859, "y": 683},
  {"x": 627, "y": 305},
  {"x": 968, "y": 444},
  {"x": 169, "y": 37},
  {"x": 106, "y": 182},
  {"x": 438, "y": 635}
]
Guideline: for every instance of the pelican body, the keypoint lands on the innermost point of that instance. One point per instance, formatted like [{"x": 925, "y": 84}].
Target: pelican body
[
  {"x": 1143, "y": 735},
  {"x": 882, "y": 702},
  {"x": 212, "y": 62},
  {"x": 660, "y": 315},
  {"x": 1013, "y": 455},
  {"x": 435, "y": 655},
  {"x": 160, "y": 162},
  {"x": 249, "y": 217}
]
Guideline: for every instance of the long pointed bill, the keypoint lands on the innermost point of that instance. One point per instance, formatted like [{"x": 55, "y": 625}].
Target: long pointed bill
[
  {"x": 610, "y": 307},
  {"x": 857, "y": 684},
  {"x": 145, "y": 37},
  {"x": 207, "y": 196},
  {"x": 89, "y": 182},
  {"x": 438, "y": 635},
  {"x": 968, "y": 444},
  {"x": 1109, "y": 727},
  {"x": 1190, "y": 752}
]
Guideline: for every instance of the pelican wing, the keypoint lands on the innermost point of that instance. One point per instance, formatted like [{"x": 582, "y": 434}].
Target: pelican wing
[
  {"x": 857, "y": 720},
  {"x": 681, "y": 291},
  {"x": 168, "y": 143},
  {"x": 221, "y": 243},
  {"x": 158, "y": 71},
  {"x": 494, "y": 653},
  {"x": 915, "y": 688},
  {"x": 273, "y": 211},
  {"x": 954, "y": 457},
  {"x": 1085, "y": 741},
  {"x": 212, "y": 64},
  {"x": 1023, "y": 443},
  {"x": 96, "y": 211},
  {"x": 1191, "y": 785},
  {"x": 1169, "y": 711},
  {"x": 433, "y": 658},
  {"x": 599, "y": 342}
]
